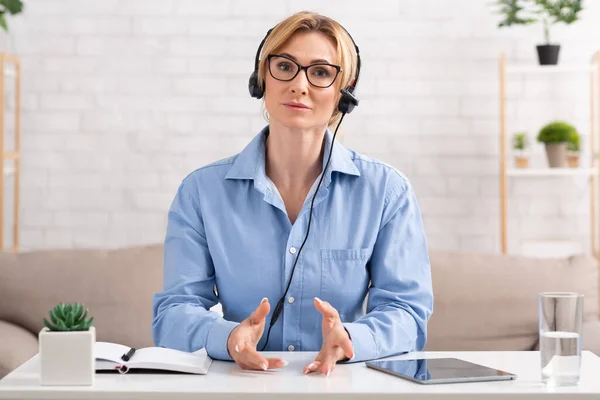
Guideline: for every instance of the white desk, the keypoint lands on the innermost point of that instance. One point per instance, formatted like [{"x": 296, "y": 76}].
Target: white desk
[{"x": 226, "y": 381}]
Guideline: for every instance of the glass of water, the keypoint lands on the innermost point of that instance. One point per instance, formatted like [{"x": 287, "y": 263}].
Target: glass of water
[{"x": 561, "y": 319}]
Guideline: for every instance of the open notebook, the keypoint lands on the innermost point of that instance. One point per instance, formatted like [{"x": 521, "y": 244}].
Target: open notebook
[{"x": 108, "y": 358}]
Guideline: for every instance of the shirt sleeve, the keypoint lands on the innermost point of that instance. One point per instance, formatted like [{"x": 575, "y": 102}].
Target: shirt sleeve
[
  {"x": 400, "y": 297},
  {"x": 182, "y": 318}
]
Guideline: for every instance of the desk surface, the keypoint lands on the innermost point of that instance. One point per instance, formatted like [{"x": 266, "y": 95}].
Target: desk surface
[{"x": 227, "y": 381}]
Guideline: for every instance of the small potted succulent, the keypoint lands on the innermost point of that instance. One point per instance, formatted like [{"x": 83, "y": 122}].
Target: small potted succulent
[
  {"x": 520, "y": 144},
  {"x": 66, "y": 346},
  {"x": 573, "y": 147},
  {"x": 555, "y": 136}
]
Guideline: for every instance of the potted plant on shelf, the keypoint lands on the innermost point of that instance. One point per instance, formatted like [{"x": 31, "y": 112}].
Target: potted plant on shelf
[
  {"x": 66, "y": 346},
  {"x": 555, "y": 136},
  {"x": 8, "y": 7},
  {"x": 549, "y": 12},
  {"x": 12, "y": 7},
  {"x": 573, "y": 148},
  {"x": 520, "y": 144}
]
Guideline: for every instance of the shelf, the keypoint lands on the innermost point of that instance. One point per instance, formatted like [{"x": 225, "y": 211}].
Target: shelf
[
  {"x": 537, "y": 172},
  {"x": 548, "y": 69},
  {"x": 585, "y": 173}
]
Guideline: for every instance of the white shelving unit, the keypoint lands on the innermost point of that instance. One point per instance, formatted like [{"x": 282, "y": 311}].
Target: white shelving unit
[
  {"x": 10, "y": 159},
  {"x": 548, "y": 69},
  {"x": 549, "y": 172},
  {"x": 589, "y": 172}
]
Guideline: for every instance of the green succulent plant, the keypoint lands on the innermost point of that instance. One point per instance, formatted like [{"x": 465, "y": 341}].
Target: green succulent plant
[
  {"x": 69, "y": 317},
  {"x": 573, "y": 144},
  {"x": 520, "y": 141},
  {"x": 556, "y": 132}
]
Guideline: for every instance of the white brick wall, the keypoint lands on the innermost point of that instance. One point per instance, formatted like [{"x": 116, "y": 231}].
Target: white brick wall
[{"x": 123, "y": 98}]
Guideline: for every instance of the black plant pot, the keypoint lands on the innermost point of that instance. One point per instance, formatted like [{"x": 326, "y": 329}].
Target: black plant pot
[{"x": 548, "y": 54}]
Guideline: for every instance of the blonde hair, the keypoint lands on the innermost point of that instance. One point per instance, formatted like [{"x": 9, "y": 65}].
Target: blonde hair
[{"x": 307, "y": 21}]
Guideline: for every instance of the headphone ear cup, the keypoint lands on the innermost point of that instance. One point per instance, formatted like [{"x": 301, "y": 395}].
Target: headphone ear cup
[
  {"x": 254, "y": 87},
  {"x": 348, "y": 101}
]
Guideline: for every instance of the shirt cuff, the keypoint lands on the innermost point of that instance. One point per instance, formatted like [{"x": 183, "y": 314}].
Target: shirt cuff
[
  {"x": 216, "y": 342},
  {"x": 362, "y": 341}
]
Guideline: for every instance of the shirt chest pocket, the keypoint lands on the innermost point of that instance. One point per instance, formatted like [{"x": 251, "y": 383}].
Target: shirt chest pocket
[{"x": 345, "y": 278}]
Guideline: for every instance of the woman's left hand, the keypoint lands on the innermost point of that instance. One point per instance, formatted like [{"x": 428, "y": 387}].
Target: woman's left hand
[{"x": 336, "y": 341}]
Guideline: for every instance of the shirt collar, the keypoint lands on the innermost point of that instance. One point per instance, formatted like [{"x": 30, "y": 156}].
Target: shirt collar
[{"x": 250, "y": 162}]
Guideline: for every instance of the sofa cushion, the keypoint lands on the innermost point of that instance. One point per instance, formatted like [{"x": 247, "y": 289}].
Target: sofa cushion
[
  {"x": 489, "y": 301},
  {"x": 116, "y": 285},
  {"x": 17, "y": 346}
]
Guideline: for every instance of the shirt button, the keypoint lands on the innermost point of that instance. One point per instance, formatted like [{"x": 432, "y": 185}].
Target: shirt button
[
  {"x": 293, "y": 250},
  {"x": 290, "y": 300},
  {"x": 291, "y": 347}
]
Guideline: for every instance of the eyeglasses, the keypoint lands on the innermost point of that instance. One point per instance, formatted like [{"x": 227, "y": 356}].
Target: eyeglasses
[{"x": 321, "y": 75}]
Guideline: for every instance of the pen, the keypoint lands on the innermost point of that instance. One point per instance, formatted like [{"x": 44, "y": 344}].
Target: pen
[{"x": 128, "y": 355}]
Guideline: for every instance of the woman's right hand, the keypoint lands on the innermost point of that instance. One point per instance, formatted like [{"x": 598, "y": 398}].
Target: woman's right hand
[{"x": 243, "y": 339}]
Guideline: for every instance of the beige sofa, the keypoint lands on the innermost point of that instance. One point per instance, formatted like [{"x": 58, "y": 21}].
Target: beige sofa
[{"x": 482, "y": 301}]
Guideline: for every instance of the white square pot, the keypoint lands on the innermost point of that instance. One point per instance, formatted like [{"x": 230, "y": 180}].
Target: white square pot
[{"x": 67, "y": 358}]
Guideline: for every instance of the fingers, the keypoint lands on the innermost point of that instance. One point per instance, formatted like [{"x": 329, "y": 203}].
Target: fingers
[
  {"x": 328, "y": 364},
  {"x": 312, "y": 367},
  {"x": 258, "y": 316},
  {"x": 346, "y": 346},
  {"x": 329, "y": 358},
  {"x": 326, "y": 309},
  {"x": 336, "y": 346},
  {"x": 324, "y": 363},
  {"x": 250, "y": 359},
  {"x": 244, "y": 338},
  {"x": 339, "y": 344},
  {"x": 275, "y": 363},
  {"x": 240, "y": 347},
  {"x": 331, "y": 314}
]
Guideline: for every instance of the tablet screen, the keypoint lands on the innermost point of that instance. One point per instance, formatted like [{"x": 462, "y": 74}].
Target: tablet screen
[{"x": 440, "y": 370}]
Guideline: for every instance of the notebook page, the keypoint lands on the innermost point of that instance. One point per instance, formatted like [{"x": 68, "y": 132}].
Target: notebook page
[
  {"x": 157, "y": 357},
  {"x": 110, "y": 351}
]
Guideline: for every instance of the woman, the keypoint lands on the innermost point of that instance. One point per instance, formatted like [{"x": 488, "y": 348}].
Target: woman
[{"x": 267, "y": 222}]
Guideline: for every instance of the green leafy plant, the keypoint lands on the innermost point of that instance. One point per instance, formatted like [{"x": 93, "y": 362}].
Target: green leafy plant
[
  {"x": 69, "y": 317},
  {"x": 514, "y": 13},
  {"x": 549, "y": 12},
  {"x": 556, "y": 132},
  {"x": 574, "y": 144},
  {"x": 11, "y": 7},
  {"x": 520, "y": 141}
]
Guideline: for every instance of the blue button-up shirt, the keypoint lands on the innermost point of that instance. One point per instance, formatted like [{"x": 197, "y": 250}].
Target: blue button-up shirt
[{"x": 229, "y": 240}]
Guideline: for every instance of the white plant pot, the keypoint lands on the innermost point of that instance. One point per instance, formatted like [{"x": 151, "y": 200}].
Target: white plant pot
[{"x": 67, "y": 358}]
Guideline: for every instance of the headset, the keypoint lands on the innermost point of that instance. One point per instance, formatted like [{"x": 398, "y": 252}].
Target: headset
[
  {"x": 346, "y": 104},
  {"x": 347, "y": 101}
]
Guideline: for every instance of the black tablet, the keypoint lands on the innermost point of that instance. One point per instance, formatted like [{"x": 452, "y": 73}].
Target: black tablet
[{"x": 440, "y": 370}]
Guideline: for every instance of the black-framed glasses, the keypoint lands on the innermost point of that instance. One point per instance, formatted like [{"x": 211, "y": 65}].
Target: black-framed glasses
[{"x": 321, "y": 75}]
